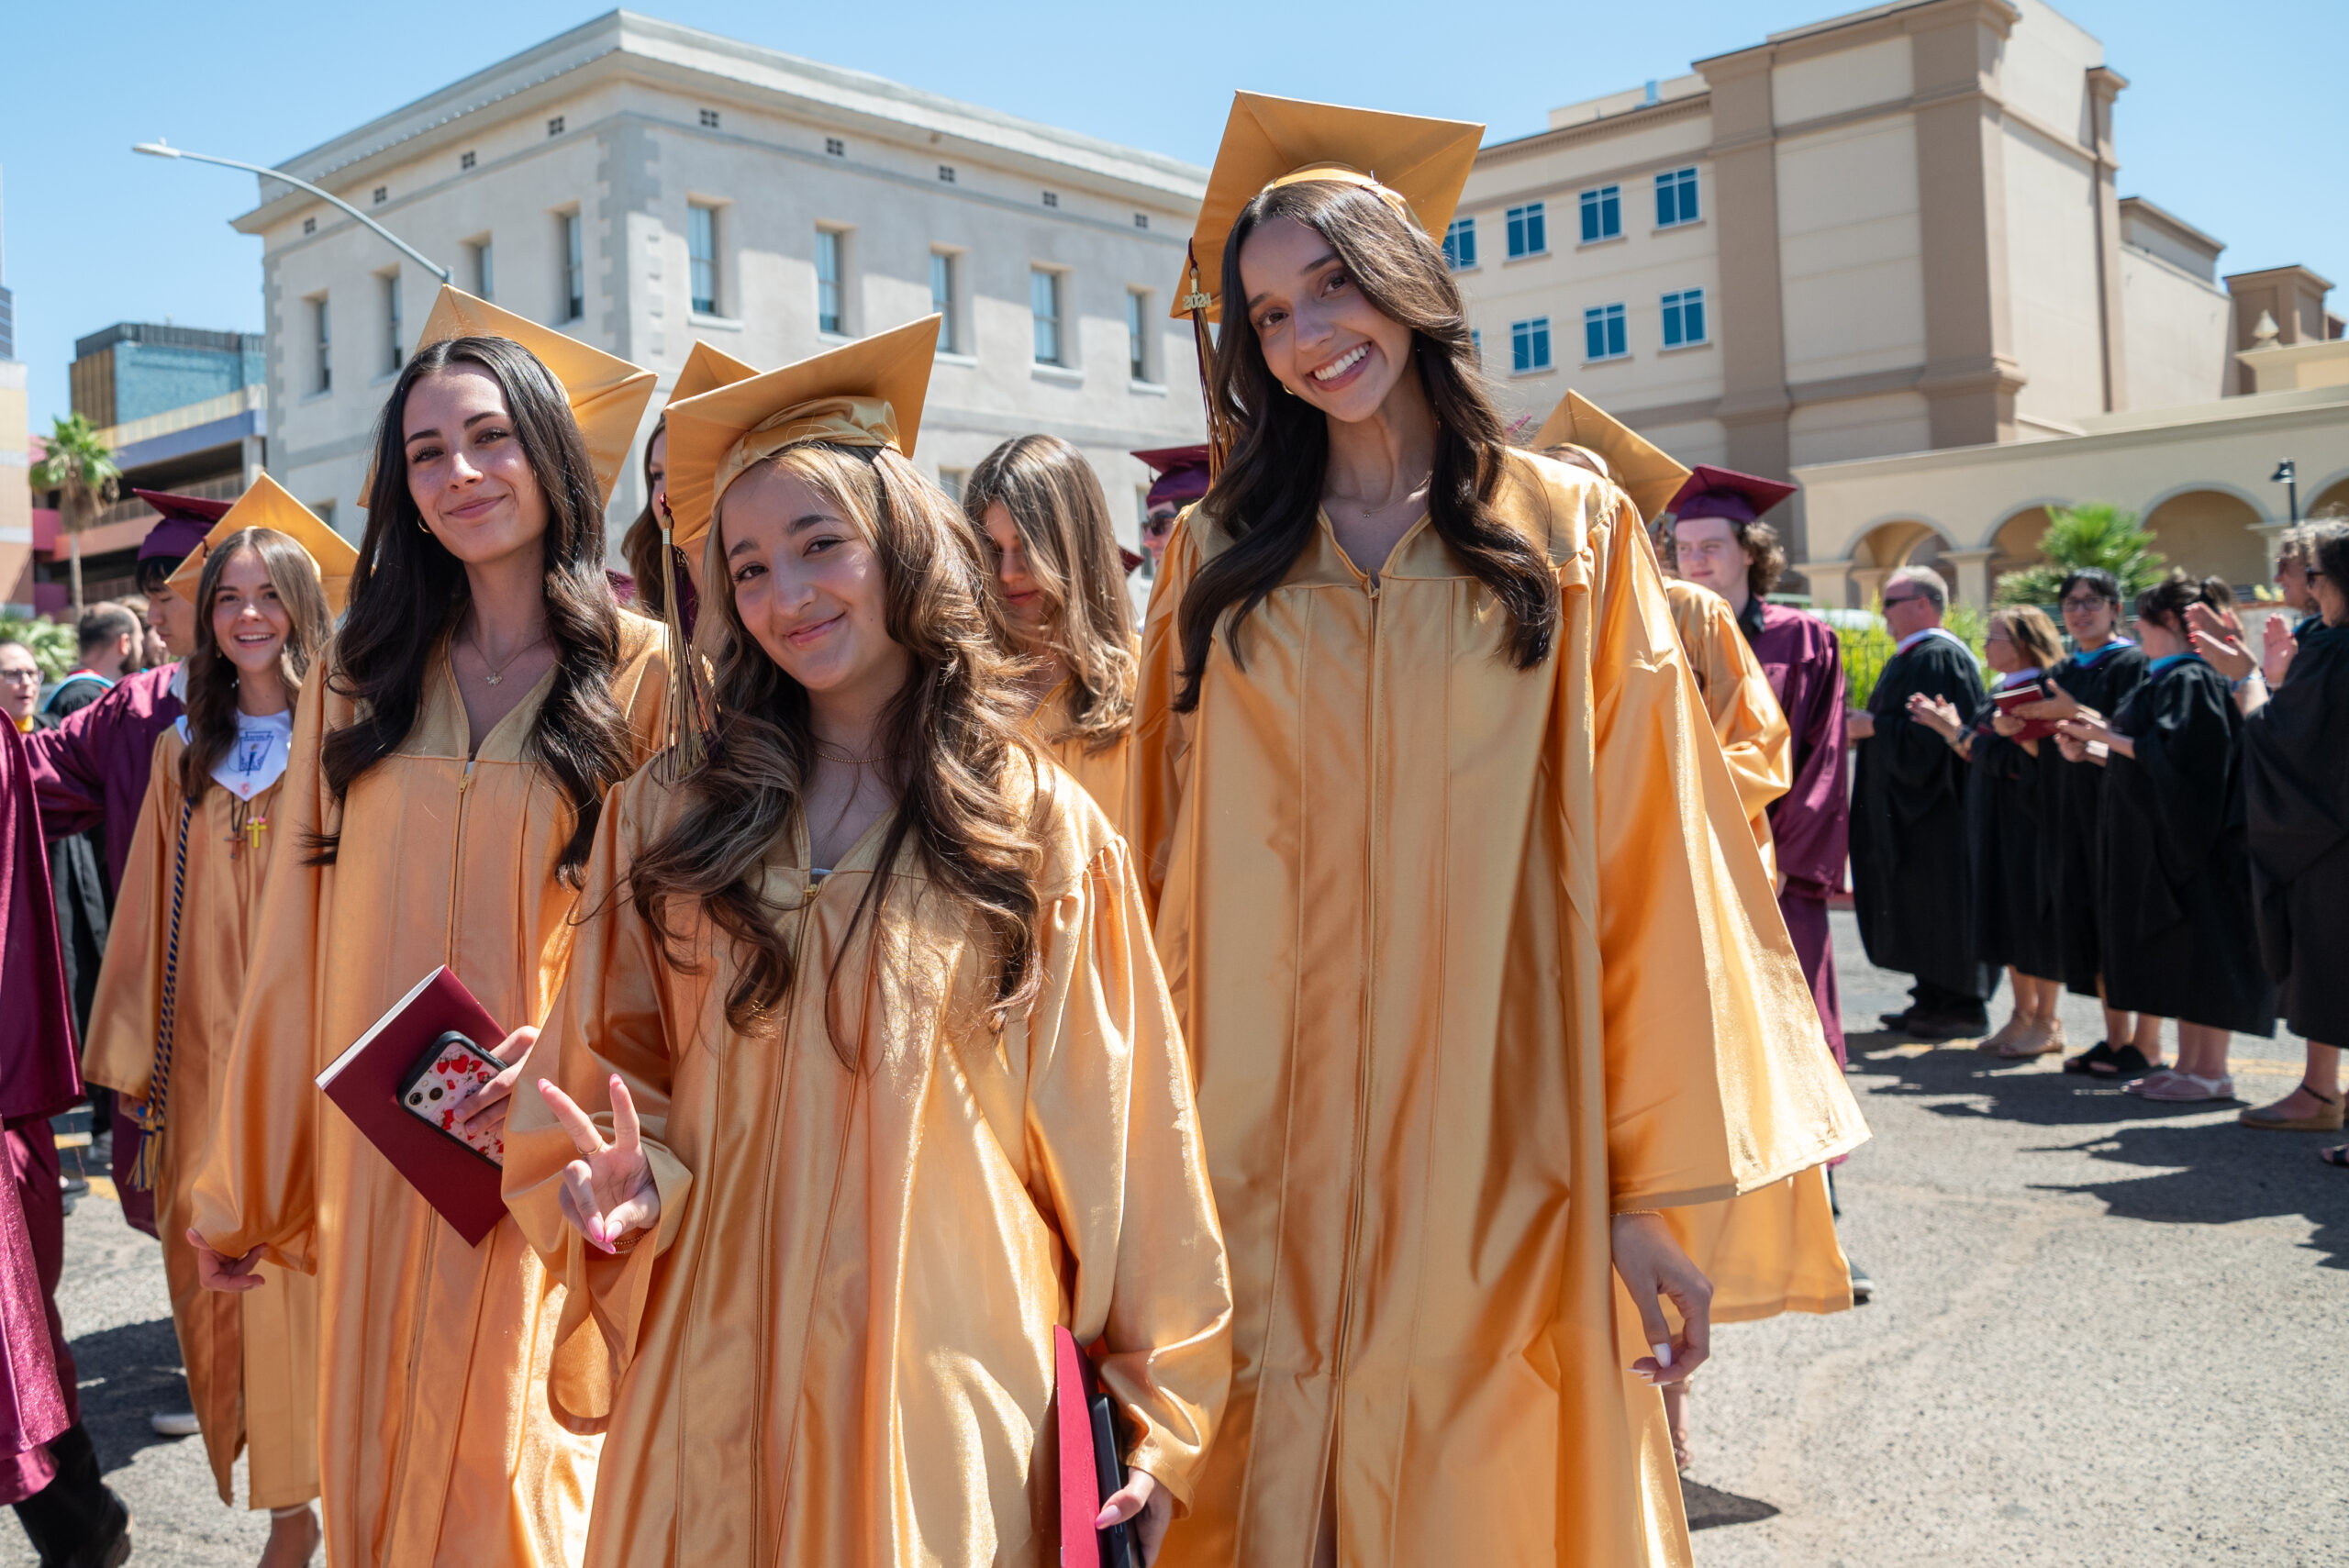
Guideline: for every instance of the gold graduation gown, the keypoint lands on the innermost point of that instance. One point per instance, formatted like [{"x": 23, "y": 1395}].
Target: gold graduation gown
[
  {"x": 1773, "y": 1250},
  {"x": 1438, "y": 932},
  {"x": 437, "y": 1446},
  {"x": 1102, "y": 772},
  {"x": 836, "y": 1346},
  {"x": 251, "y": 1359}
]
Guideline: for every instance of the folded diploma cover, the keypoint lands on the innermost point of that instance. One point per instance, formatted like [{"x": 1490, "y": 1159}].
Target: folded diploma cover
[
  {"x": 1090, "y": 1469},
  {"x": 2014, "y": 697},
  {"x": 364, "y": 1080}
]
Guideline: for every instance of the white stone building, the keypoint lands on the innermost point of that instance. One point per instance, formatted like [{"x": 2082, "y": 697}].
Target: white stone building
[{"x": 640, "y": 185}]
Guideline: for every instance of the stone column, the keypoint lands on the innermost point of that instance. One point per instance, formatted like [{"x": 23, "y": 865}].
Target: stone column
[
  {"x": 2104, "y": 85},
  {"x": 1868, "y": 582},
  {"x": 1973, "y": 569},
  {"x": 1830, "y": 583}
]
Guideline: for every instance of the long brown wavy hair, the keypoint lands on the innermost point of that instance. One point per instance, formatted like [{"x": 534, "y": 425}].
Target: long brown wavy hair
[
  {"x": 408, "y": 591},
  {"x": 947, "y": 749},
  {"x": 1064, "y": 519},
  {"x": 640, "y": 546},
  {"x": 1268, "y": 497},
  {"x": 212, "y": 679}
]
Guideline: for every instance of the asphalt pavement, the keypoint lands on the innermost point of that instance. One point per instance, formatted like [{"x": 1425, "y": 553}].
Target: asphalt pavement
[{"x": 2106, "y": 1333}]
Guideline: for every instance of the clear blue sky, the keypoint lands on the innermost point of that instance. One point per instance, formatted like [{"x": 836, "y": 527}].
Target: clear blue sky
[{"x": 2234, "y": 118}]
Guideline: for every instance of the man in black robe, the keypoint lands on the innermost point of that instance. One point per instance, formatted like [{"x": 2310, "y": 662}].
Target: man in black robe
[{"x": 1911, "y": 881}]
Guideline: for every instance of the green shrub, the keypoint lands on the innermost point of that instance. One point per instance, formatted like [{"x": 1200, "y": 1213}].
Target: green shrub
[
  {"x": 2094, "y": 533},
  {"x": 51, "y": 644}
]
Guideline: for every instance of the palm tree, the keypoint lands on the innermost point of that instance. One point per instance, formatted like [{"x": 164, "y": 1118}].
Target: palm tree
[
  {"x": 2094, "y": 533},
  {"x": 80, "y": 466}
]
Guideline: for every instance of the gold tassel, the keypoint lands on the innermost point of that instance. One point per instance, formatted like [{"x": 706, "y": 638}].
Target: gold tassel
[
  {"x": 690, "y": 699},
  {"x": 149, "y": 1165},
  {"x": 1219, "y": 432}
]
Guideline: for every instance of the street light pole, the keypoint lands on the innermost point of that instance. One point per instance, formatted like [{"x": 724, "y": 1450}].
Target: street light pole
[
  {"x": 2288, "y": 475},
  {"x": 156, "y": 149}
]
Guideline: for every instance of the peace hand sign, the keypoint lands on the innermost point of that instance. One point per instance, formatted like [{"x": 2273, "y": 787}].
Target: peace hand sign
[{"x": 608, "y": 1192}]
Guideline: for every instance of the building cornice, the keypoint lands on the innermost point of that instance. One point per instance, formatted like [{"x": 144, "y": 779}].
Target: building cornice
[
  {"x": 1647, "y": 116},
  {"x": 621, "y": 45}
]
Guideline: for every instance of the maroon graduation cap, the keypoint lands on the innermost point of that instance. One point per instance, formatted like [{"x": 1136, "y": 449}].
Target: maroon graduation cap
[
  {"x": 1725, "y": 493},
  {"x": 186, "y": 520},
  {"x": 1182, "y": 473}
]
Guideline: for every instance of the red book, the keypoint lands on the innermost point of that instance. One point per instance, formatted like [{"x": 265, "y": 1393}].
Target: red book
[
  {"x": 365, "y": 1080},
  {"x": 2014, "y": 697}
]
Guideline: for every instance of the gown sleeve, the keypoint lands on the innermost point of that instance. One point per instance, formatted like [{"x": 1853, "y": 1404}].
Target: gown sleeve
[
  {"x": 1117, "y": 1158},
  {"x": 1161, "y": 737},
  {"x": 120, "y": 1051},
  {"x": 69, "y": 772},
  {"x": 1711, "y": 1089},
  {"x": 608, "y": 1018},
  {"x": 2187, "y": 750},
  {"x": 256, "y": 1186},
  {"x": 1756, "y": 740},
  {"x": 1811, "y": 825}
]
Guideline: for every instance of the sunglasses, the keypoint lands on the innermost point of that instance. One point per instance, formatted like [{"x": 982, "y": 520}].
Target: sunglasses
[{"x": 1903, "y": 599}]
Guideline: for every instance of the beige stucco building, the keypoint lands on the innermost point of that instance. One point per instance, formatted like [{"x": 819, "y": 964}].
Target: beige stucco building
[
  {"x": 640, "y": 185},
  {"x": 1897, "y": 232}
]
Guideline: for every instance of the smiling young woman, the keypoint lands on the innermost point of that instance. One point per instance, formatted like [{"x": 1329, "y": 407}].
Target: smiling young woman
[
  {"x": 863, "y": 1080},
  {"x": 175, "y": 969},
  {"x": 482, "y": 695},
  {"x": 1436, "y": 841},
  {"x": 1059, "y": 601}
]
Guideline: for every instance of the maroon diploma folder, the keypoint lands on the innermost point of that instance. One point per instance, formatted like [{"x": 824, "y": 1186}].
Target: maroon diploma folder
[
  {"x": 364, "y": 1082},
  {"x": 2014, "y": 697}
]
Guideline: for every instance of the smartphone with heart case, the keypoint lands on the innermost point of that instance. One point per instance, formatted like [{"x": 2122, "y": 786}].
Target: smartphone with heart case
[{"x": 450, "y": 1069}]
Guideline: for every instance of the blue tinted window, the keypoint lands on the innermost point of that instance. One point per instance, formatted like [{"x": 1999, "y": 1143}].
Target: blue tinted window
[
  {"x": 1675, "y": 197},
  {"x": 1602, "y": 333},
  {"x": 1602, "y": 213},
  {"x": 1459, "y": 244},
  {"x": 1529, "y": 345},
  {"x": 1528, "y": 231},
  {"x": 1684, "y": 317}
]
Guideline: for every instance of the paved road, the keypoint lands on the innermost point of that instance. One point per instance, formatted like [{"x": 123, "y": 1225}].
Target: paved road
[{"x": 2107, "y": 1334}]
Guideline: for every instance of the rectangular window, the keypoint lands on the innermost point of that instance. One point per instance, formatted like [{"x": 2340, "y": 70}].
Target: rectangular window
[
  {"x": 828, "y": 282},
  {"x": 575, "y": 269},
  {"x": 464, "y": 161},
  {"x": 395, "y": 348},
  {"x": 325, "y": 336},
  {"x": 1141, "y": 220},
  {"x": 1476, "y": 345},
  {"x": 1683, "y": 318},
  {"x": 1529, "y": 345},
  {"x": 941, "y": 301},
  {"x": 1528, "y": 231},
  {"x": 1137, "y": 334},
  {"x": 484, "y": 271},
  {"x": 1675, "y": 197},
  {"x": 1051, "y": 198},
  {"x": 946, "y": 173},
  {"x": 383, "y": 194},
  {"x": 701, "y": 248},
  {"x": 835, "y": 147},
  {"x": 1602, "y": 333},
  {"x": 710, "y": 119},
  {"x": 1602, "y": 214},
  {"x": 325, "y": 510},
  {"x": 555, "y": 126},
  {"x": 1459, "y": 244},
  {"x": 951, "y": 480},
  {"x": 1045, "y": 301}
]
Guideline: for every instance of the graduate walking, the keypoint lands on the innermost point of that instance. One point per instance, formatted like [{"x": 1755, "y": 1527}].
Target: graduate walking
[{"x": 1912, "y": 884}]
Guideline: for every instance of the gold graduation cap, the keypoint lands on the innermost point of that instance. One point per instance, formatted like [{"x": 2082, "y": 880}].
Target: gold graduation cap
[
  {"x": 1647, "y": 473},
  {"x": 268, "y": 504},
  {"x": 868, "y": 394},
  {"x": 1416, "y": 165},
  {"x": 706, "y": 370},
  {"x": 607, "y": 394}
]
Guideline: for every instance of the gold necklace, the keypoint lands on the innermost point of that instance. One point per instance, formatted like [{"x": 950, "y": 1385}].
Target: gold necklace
[
  {"x": 832, "y": 753},
  {"x": 494, "y": 676}
]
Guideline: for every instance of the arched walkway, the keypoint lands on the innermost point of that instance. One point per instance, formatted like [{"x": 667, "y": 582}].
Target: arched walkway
[
  {"x": 2335, "y": 497},
  {"x": 2016, "y": 544},
  {"x": 2210, "y": 533},
  {"x": 1905, "y": 541}
]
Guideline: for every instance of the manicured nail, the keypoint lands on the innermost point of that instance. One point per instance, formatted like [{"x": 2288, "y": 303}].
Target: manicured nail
[{"x": 1663, "y": 1355}]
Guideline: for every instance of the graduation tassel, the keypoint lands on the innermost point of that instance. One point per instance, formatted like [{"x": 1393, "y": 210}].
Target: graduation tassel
[
  {"x": 1218, "y": 431},
  {"x": 689, "y": 700},
  {"x": 149, "y": 1164}
]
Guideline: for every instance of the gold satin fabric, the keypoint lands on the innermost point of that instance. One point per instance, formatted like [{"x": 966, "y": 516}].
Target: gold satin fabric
[
  {"x": 437, "y": 1444},
  {"x": 1102, "y": 772},
  {"x": 252, "y": 1371},
  {"x": 1755, "y": 738},
  {"x": 1453, "y": 945},
  {"x": 836, "y": 1346}
]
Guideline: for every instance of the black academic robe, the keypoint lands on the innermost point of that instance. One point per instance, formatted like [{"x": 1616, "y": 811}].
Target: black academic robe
[
  {"x": 1911, "y": 885},
  {"x": 2178, "y": 936},
  {"x": 2296, "y": 779},
  {"x": 2102, "y": 683},
  {"x": 2010, "y": 813}
]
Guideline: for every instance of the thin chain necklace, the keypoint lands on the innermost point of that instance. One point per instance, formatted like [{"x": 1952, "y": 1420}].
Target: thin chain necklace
[
  {"x": 832, "y": 753},
  {"x": 494, "y": 676}
]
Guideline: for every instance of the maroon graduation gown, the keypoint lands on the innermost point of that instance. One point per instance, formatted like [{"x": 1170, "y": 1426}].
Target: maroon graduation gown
[{"x": 1810, "y": 823}]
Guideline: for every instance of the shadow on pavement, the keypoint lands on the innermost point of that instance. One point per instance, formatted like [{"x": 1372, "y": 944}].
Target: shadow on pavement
[
  {"x": 2207, "y": 1175},
  {"x": 127, "y": 1374},
  {"x": 1708, "y": 1509}
]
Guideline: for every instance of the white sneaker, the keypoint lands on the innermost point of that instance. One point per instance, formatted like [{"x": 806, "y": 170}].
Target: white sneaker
[{"x": 175, "y": 1423}]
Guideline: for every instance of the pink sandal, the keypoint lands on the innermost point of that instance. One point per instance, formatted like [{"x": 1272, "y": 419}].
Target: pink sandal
[{"x": 2185, "y": 1087}]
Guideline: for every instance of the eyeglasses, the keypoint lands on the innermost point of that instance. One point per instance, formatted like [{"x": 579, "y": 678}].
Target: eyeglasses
[
  {"x": 33, "y": 676},
  {"x": 2077, "y": 602}
]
